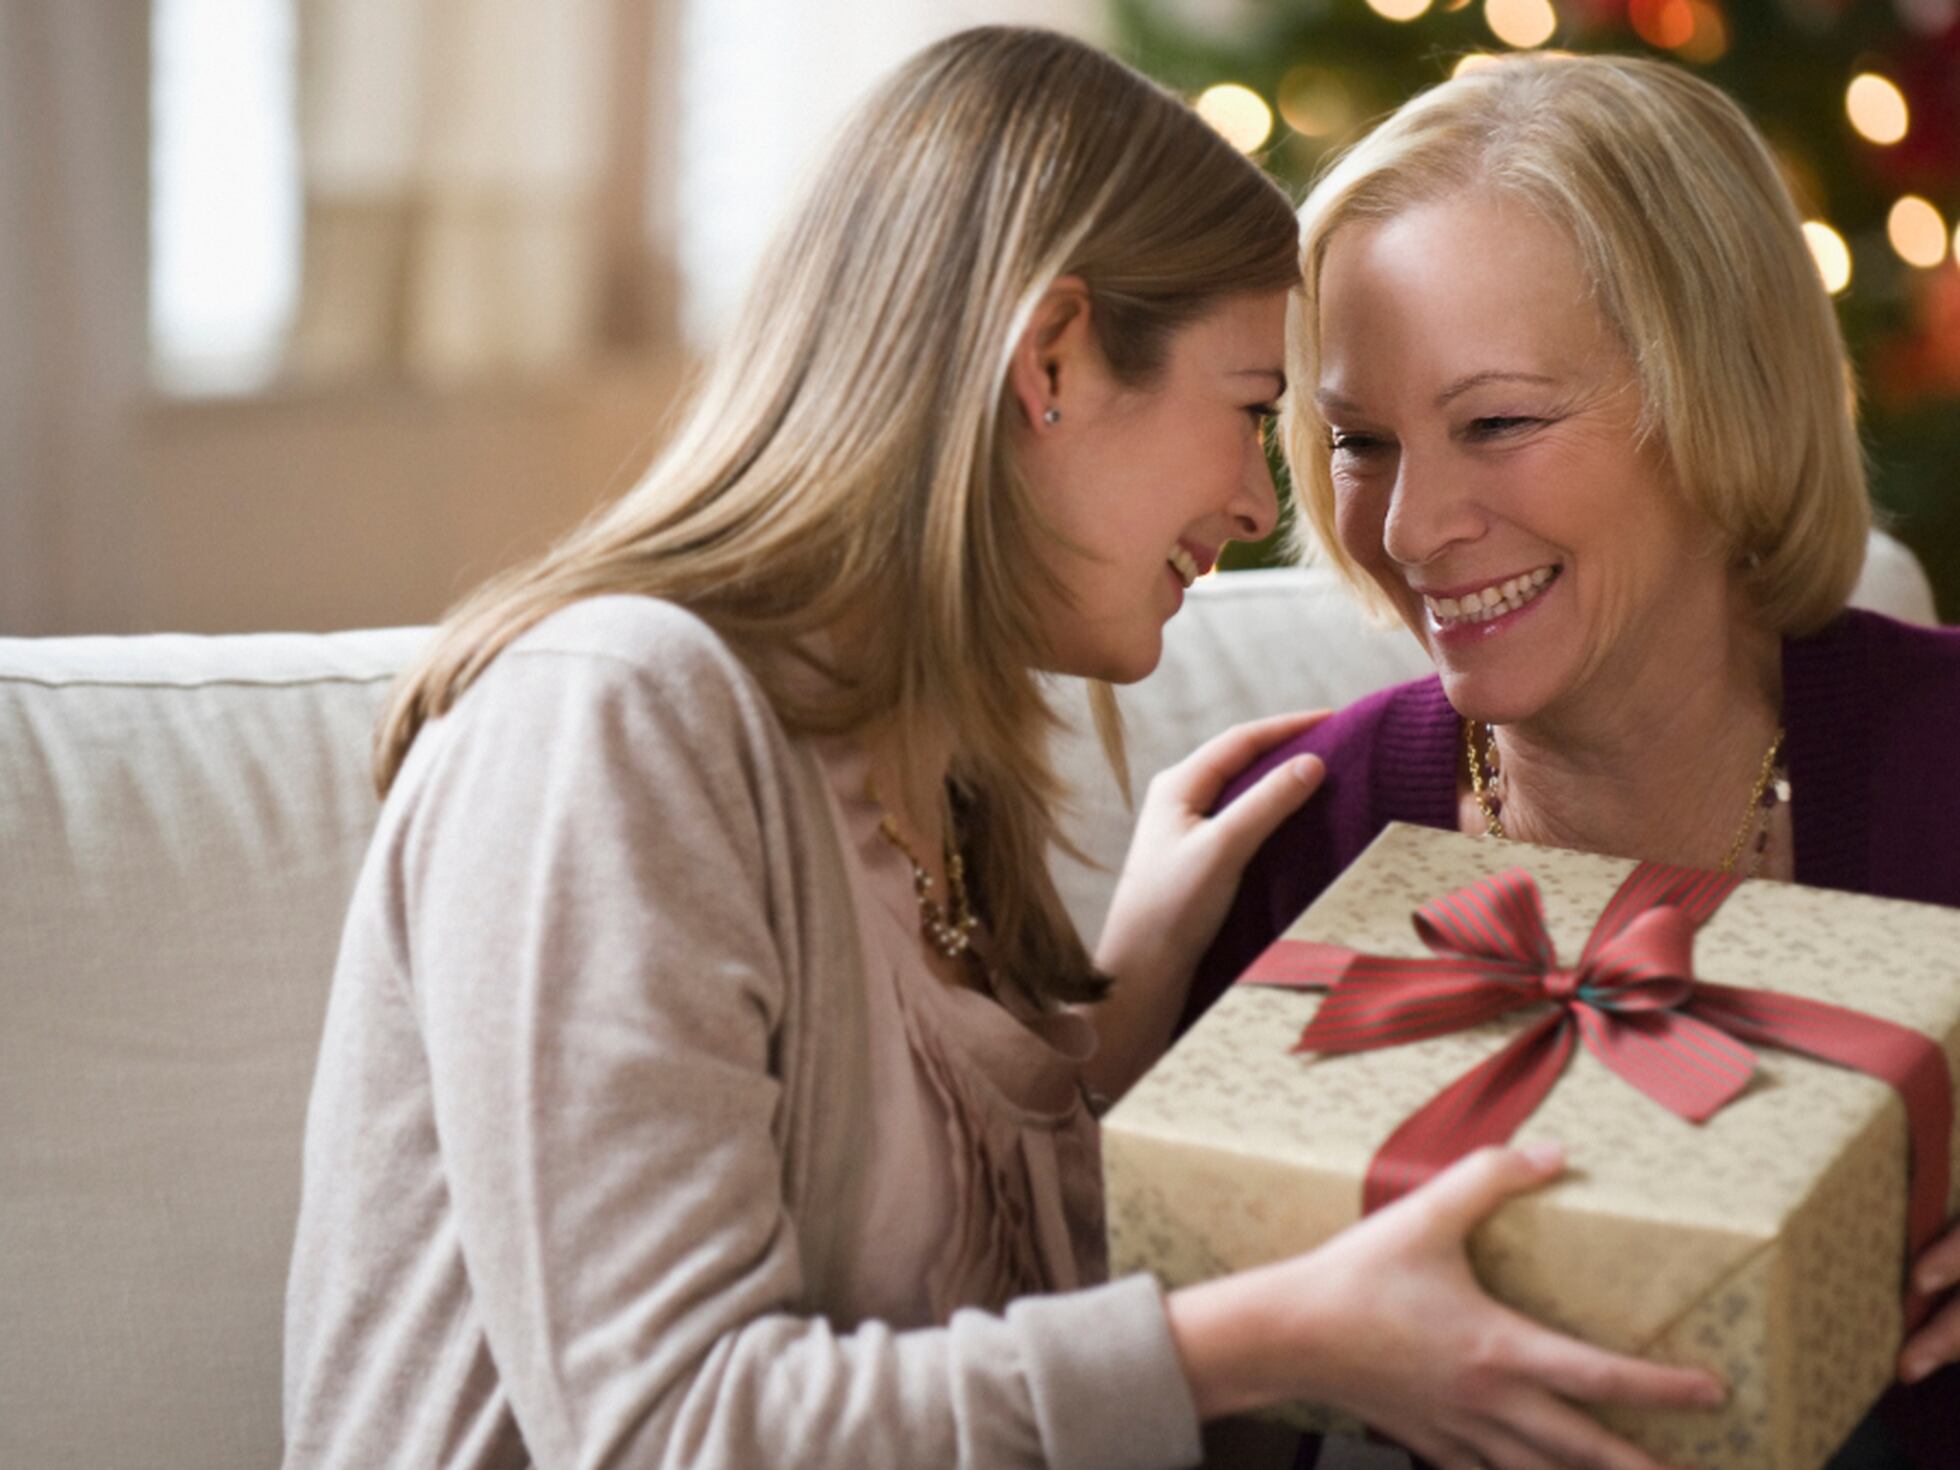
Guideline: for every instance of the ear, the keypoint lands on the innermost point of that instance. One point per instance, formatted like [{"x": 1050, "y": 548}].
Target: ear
[{"x": 1057, "y": 357}]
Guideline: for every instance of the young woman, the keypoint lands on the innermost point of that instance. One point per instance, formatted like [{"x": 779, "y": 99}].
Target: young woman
[{"x": 701, "y": 1083}]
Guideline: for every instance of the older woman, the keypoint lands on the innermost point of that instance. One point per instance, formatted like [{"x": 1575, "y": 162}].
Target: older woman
[{"x": 1568, "y": 398}]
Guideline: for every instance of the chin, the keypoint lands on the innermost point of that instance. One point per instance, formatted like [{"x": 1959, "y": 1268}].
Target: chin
[{"x": 1481, "y": 698}]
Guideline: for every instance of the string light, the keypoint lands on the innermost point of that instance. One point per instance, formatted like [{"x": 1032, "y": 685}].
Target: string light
[
  {"x": 1662, "y": 23},
  {"x": 1521, "y": 23},
  {"x": 1239, "y": 114},
  {"x": 1710, "y": 41},
  {"x": 1832, "y": 255},
  {"x": 1877, "y": 108},
  {"x": 1917, "y": 232},
  {"x": 1398, "y": 9},
  {"x": 1315, "y": 102}
]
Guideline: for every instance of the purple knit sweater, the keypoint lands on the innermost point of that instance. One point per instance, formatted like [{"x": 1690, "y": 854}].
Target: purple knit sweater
[{"x": 1871, "y": 711}]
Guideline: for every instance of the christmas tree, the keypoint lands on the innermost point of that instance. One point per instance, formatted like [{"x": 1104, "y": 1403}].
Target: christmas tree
[{"x": 1861, "y": 103}]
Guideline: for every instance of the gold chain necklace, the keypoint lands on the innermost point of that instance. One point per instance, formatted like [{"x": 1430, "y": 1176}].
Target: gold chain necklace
[
  {"x": 949, "y": 929},
  {"x": 1769, "y": 791}
]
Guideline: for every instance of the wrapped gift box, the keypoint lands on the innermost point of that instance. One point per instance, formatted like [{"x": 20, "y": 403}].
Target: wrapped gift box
[{"x": 1767, "y": 1244}]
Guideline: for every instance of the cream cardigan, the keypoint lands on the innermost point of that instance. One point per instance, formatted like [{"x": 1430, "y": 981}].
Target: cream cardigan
[{"x": 590, "y": 1093}]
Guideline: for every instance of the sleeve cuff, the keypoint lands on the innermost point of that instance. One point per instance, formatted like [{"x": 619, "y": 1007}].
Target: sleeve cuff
[{"x": 1108, "y": 1389}]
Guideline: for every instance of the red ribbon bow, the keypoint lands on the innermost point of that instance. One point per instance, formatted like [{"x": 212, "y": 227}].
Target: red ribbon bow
[{"x": 1634, "y": 1000}]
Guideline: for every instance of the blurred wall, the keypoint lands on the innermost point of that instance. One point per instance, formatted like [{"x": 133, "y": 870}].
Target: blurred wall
[{"x": 375, "y": 506}]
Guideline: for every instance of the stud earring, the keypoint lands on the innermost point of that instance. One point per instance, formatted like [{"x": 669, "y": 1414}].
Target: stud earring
[{"x": 1052, "y": 416}]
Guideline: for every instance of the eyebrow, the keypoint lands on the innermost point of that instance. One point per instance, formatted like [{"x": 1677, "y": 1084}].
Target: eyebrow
[
  {"x": 1327, "y": 398},
  {"x": 1274, "y": 373}
]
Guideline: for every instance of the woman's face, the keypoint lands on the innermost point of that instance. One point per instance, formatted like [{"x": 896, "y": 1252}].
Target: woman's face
[
  {"x": 1147, "y": 485},
  {"x": 1487, "y": 467}
]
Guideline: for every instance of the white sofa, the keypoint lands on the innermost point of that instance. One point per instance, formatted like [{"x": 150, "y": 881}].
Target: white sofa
[{"x": 181, "y": 819}]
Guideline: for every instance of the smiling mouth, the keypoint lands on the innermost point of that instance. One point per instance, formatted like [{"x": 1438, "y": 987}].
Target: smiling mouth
[
  {"x": 1185, "y": 565},
  {"x": 1490, "y": 602}
]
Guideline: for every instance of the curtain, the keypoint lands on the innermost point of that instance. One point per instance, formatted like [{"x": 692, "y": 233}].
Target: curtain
[
  {"x": 73, "y": 87},
  {"x": 461, "y": 209}
]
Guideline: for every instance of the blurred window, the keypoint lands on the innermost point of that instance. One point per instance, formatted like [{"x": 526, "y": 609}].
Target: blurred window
[{"x": 224, "y": 194}]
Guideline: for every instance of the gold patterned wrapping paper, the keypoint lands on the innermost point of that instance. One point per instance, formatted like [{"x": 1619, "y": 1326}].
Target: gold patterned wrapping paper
[{"x": 1767, "y": 1244}]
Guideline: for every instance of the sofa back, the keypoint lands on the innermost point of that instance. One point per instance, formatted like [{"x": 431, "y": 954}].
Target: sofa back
[{"x": 181, "y": 820}]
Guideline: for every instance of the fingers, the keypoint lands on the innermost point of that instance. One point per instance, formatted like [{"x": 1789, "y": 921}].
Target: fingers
[
  {"x": 1578, "y": 1370},
  {"x": 1939, "y": 1267},
  {"x": 1542, "y": 1430},
  {"x": 1475, "y": 1185},
  {"x": 1935, "y": 1344},
  {"x": 1200, "y": 776},
  {"x": 1249, "y": 821}
]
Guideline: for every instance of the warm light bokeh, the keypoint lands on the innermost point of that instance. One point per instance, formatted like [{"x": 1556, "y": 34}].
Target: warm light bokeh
[
  {"x": 1239, "y": 113},
  {"x": 1832, "y": 255},
  {"x": 1315, "y": 102},
  {"x": 1877, "y": 108},
  {"x": 1521, "y": 23},
  {"x": 1398, "y": 9},
  {"x": 1475, "y": 61},
  {"x": 1917, "y": 232}
]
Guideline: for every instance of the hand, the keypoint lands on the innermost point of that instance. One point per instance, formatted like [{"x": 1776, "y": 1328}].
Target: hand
[
  {"x": 1387, "y": 1321},
  {"x": 1937, "y": 1342},
  {"x": 1178, "y": 880}
]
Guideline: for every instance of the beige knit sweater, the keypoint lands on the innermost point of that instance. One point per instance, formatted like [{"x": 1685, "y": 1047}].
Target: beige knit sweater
[{"x": 590, "y": 1109}]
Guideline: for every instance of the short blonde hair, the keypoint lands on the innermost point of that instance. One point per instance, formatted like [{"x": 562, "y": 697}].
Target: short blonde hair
[
  {"x": 1695, "y": 255},
  {"x": 846, "y": 458}
]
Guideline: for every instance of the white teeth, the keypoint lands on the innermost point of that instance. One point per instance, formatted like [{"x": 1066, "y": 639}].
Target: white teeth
[
  {"x": 1184, "y": 564},
  {"x": 1480, "y": 607}
]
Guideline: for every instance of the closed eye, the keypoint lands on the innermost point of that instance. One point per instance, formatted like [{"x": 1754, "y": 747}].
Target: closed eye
[
  {"x": 1263, "y": 413},
  {"x": 1340, "y": 441},
  {"x": 1497, "y": 426}
]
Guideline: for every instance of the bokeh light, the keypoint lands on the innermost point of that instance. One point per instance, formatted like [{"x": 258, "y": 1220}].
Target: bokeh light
[
  {"x": 1521, "y": 23},
  {"x": 1662, "y": 23},
  {"x": 1475, "y": 61},
  {"x": 1917, "y": 232},
  {"x": 1315, "y": 102},
  {"x": 1239, "y": 113},
  {"x": 1398, "y": 9},
  {"x": 1877, "y": 108},
  {"x": 1710, "y": 42},
  {"x": 1832, "y": 255}
]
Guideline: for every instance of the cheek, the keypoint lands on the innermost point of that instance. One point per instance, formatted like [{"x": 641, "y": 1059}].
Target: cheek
[{"x": 1359, "y": 514}]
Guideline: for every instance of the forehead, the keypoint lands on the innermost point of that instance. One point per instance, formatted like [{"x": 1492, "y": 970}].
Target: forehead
[
  {"x": 1238, "y": 332},
  {"x": 1461, "y": 284}
]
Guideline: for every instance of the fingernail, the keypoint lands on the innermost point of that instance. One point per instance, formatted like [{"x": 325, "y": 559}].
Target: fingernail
[
  {"x": 1543, "y": 1153},
  {"x": 1715, "y": 1394},
  {"x": 1308, "y": 767},
  {"x": 1934, "y": 1278},
  {"x": 1915, "y": 1369}
]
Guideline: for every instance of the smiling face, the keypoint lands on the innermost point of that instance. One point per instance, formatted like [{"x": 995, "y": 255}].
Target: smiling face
[
  {"x": 1144, "y": 486},
  {"x": 1487, "y": 466}
]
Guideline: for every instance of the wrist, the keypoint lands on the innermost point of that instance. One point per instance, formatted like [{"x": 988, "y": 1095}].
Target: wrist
[{"x": 1228, "y": 1344}]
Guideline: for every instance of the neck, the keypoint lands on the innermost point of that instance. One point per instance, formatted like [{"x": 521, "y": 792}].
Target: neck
[{"x": 1658, "y": 763}]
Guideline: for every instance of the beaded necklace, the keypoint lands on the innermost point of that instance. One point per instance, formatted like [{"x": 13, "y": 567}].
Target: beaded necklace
[{"x": 1772, "y": 789}]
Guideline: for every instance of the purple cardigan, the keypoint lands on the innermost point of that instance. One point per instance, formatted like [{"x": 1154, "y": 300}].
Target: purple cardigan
[{"x": 1871, "y": 710}]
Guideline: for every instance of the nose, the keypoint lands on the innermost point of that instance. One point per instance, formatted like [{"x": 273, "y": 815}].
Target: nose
[
  {"x": 1428, "y": 512},
  {"x": 1255, "y": 503}
]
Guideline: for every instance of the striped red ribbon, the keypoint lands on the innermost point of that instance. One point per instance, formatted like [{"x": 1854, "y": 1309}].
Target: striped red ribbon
[{"x": 1632, "y": 998}]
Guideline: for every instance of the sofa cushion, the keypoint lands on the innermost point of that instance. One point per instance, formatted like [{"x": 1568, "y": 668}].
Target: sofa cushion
[{"x": 180, "y": 823}]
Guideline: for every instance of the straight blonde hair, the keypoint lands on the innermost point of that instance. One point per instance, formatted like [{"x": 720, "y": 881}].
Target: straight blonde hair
[
  {"x": 845, "y": 461},
  {"x": 1696, "y": 259}
]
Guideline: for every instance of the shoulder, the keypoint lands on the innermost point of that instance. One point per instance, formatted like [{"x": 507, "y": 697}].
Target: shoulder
[
  {"x": 1876, "y": 668},
  {"x": 610, "y": 689},
  {"x": 1353, "y": 739},
  {"x": 641, "y": 640}
]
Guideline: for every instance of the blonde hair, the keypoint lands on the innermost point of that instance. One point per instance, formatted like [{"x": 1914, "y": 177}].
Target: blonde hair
[
  {"x": 1696, "y": 258},
  {"x": 845, "y": 457}
]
